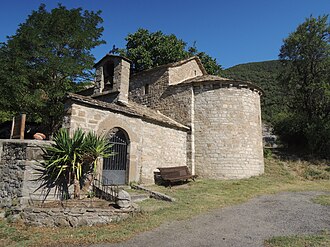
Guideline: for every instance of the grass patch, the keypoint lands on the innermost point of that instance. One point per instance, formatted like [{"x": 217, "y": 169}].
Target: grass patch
[
  {"x": 10, "y": 235},
  {"x": 192, "y": 199},
  {"x": 321, "y": 240},
  {"x": 323, "y": 200}
]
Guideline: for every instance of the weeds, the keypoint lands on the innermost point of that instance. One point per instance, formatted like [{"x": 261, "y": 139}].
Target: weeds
[
  {"x": 323, "y": 200},
  {"x": 321, "y": 240},
  {"x": 192, "y": 199}
]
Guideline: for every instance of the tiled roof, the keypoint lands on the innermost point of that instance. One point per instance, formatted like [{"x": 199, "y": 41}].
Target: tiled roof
[
  {"x": 130, "y": 109},
  {"x": 113, "y": 56}
]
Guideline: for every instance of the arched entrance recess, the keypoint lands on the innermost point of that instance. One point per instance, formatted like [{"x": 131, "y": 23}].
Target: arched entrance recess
[{"x": 116, "y": 167}]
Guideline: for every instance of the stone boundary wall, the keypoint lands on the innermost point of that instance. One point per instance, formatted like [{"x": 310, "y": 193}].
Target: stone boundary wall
[
  {"x": 228, "y": 132},
  {"x": 73, "y": 217},
  {"x": 18, "y": 160}
]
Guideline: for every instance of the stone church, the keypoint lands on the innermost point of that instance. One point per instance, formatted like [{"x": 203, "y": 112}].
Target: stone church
[{"x": 171, "y": 115}]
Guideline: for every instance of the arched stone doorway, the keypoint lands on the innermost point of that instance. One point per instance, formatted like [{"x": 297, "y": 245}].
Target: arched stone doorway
[{"x": 116, "y": 167}]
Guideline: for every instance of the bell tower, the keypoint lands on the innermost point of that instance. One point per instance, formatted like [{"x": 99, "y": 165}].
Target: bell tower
[{"x": 112, "y": 78}]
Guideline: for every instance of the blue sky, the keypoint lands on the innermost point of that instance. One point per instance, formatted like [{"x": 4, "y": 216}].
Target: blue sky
[{"x": 232, "y": 31}]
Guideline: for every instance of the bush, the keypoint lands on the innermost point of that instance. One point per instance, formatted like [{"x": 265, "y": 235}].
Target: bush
[
  {"x": 312, "y": 137},
  {"x": 268, "y": 153}
]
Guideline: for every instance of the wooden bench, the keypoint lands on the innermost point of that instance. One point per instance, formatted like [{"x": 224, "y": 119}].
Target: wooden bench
[{"x": 175, "y": 174}]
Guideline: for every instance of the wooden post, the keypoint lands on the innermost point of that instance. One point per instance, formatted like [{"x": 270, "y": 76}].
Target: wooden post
[
  {"x": 12, "y": 128},
  {"x": 23, "y": 119},
  {"x": 18, "y": 127}
]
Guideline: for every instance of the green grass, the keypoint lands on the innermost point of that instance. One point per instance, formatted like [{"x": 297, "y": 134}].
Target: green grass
[
  {"x": 192, "y": 199},
  {"x": 9, "y": 234},
  {"x": 323, "y": 200},
  {"x": 321, "y": 240}
]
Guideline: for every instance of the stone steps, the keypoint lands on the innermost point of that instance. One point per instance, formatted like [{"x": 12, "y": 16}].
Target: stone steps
[{"x": 139, "y": 197}]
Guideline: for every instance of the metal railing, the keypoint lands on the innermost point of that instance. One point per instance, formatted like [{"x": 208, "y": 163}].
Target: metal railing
[{"x": 103, "y": 190}]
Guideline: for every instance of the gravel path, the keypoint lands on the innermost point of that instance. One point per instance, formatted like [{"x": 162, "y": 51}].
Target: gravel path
[{"x": 247, "y": 224}]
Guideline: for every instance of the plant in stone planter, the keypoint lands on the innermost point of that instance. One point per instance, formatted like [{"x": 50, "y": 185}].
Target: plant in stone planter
[
  {"x": 72, "y": 160},
  {"x": 94, "y": 148}
]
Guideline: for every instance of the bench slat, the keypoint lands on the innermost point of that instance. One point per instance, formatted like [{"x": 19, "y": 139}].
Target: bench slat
[{"x": 176, "y": 173}]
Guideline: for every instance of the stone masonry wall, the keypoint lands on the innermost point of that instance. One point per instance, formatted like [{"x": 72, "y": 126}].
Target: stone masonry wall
[
  {"x": 18, "y": 160},
  {"x": 174, "y": 101},
  {"x": 228, "y": 132},
  {"x": 73, "y": 217},
  {"x": 151, "y": 145},
  {"x": 161, "y": 147},
  {"x": 184, "y": 72},
  {"x": 171, "y": 100},
  {"x": 157, "y": 81}
]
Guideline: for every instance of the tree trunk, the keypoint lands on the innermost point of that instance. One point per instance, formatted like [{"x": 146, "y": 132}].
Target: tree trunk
[
  {"x": 76, "y": 188},
  {"x": 88, "y": 183}
]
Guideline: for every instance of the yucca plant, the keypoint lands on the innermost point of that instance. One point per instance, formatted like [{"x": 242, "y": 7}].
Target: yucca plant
[
  {"x": 70, "y": 160},
  {"x": 94, "y": 147}
]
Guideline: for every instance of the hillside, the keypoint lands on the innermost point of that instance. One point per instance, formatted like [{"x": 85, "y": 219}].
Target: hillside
[{"x": 264, "y": 74}]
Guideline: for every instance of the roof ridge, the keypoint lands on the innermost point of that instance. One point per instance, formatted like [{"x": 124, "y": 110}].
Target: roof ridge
[
  {"x": 175, "y": 64},
  {"x": 214, "y": 78}
]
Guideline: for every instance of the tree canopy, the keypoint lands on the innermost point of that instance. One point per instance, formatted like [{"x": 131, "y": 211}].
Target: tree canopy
[
  {"x": 305, "y": 55},
  {"x": 265, "y": 75},
  {"x": 46, "y": 58},
  {"x": 296, "y": 99},
  {"x": 151, "y": 49}
]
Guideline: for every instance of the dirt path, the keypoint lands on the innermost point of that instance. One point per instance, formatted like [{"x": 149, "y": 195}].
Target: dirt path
[{"x": 248, "y": 224}]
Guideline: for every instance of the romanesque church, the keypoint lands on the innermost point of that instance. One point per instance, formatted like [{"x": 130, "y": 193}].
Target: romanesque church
[{"x": 171, "y": 115}]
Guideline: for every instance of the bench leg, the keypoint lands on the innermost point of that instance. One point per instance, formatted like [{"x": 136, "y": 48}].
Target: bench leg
[{"x": 168, "y": 184}]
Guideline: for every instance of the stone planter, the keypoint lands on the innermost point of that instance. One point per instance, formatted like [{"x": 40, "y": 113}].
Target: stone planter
[{"x": 74, "y": 217}]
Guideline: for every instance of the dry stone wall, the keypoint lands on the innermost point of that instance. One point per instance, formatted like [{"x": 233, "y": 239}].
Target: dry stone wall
[
  {"x": 73, "y": 217},
  {"x": 151, "y": 145},
  {"x": 227, "y": 132},
  {"x": 18, "y": 163}
]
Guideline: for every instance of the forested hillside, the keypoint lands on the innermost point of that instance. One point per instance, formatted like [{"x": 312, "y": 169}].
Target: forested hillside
[{"x": 265, "y": 75}]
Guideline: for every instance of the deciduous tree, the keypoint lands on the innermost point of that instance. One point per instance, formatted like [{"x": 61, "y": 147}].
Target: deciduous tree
[
  {"x": 46, "y": 58},
  {"x": 151, "y": 49},
  {"x": 306, "y": 57}
]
